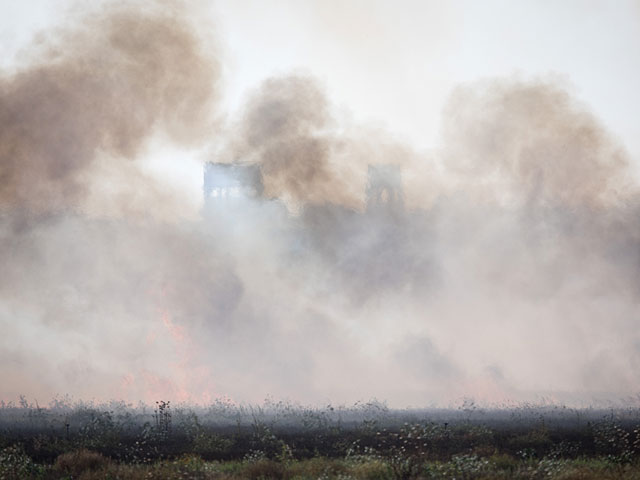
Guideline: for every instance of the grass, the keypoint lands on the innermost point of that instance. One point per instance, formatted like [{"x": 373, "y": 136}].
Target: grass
[
  {"x": 291, "y": 442},
  {"x": 86, "y": 465}
]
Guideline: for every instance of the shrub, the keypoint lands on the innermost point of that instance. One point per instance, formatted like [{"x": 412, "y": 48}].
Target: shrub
[
  {"x": 372, "y": 470},
  {"x": 317, "y": 468},
  {"x": 503, "y": 462},
  {"x": 265, "y": 469},
  {"x": 79, "y": 461},
  {"x": 464, "y": 466},
  {"x": 15, "y": 463},
  {"x": 211, "y": 446}
]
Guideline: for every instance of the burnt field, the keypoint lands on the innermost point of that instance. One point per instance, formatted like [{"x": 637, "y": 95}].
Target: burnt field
[{"x": 284, "y": 440}]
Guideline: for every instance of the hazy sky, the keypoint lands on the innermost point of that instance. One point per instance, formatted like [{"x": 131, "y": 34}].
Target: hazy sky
[
  {"x": 393, "y": 64},
  {"x": 511, "y": 274}
]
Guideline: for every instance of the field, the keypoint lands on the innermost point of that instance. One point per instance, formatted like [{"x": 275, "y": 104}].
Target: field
[{"x": 68, "y": 440}]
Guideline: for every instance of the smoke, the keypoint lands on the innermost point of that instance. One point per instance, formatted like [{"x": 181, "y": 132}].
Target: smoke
[
  {"x": 287, "y": 128},
  {"x": 85, "y": 266},
  {"x": 535, "y": 143},
  {"x": 507, "y": 269},
  {"x": 93, "y": 94}
]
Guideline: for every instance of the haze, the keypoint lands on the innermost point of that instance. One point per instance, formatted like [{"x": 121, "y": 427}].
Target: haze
[{"x": 508, "y": 272}]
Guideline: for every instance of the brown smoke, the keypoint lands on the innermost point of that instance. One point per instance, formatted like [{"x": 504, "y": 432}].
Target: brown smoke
[
  {"x": 288, "y": 128},
  {"x": 101, "y": 88},
  {"x": 524, "y": 142},
  {"x": 532, "y": 140}
]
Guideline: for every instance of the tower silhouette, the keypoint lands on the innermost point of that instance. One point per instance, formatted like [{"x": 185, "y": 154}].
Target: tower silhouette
[
  {"x": 228, "y": 182},
  {"x": 384, "y": 188}
]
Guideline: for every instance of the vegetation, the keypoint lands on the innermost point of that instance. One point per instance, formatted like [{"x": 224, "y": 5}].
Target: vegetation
[{"x": 279, "y": 440}]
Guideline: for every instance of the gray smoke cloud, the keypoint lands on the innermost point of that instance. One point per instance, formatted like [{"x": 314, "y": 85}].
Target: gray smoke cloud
[{"x": 505, "y": 270}]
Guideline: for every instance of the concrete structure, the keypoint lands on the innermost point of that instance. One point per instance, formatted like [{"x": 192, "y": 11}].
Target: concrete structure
[
  {"x": 384, "y": 188},
  {"x": 225, "y": 182}
]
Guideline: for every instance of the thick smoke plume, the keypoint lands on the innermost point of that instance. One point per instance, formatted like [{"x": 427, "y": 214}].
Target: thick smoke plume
[
  {"x": 288, "y": 128},
  {"x": 93, "y": 94},
  {"x": 505, "y": 268},
  {"x": 533, "y": 142}
]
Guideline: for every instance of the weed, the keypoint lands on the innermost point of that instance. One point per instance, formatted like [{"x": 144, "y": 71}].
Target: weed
[{"x": 77, "y": 462}]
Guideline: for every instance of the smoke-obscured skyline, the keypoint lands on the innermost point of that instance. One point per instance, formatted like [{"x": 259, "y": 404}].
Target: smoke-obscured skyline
[{"x": 508, "y": 273}]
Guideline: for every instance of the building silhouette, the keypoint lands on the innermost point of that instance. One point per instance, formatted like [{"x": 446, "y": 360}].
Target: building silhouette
[
  {"x": 384, "y": 188},
  {"x": 227, "y": 183},
  {"x": 372, "y": 246}
]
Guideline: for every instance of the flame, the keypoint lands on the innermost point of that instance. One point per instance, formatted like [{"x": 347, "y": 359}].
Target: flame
[
  {"x": 183, "y": 379},
  {"x": 176, "y": 331}
]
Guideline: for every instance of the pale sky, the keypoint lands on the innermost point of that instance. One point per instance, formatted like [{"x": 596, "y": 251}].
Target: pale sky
[{"x": 394, "y": 63}]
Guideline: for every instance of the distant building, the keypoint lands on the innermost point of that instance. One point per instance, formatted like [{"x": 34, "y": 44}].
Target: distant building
[
  {"x": 384, "y": 188},
  {"x": 371, "y": 247},
  {"x": 226, "y": 182}
]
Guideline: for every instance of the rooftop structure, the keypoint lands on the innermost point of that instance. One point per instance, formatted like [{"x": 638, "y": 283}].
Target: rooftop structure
[
  {"x": 384, "y": 188},
  {"x": 226, "y": 182}
]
